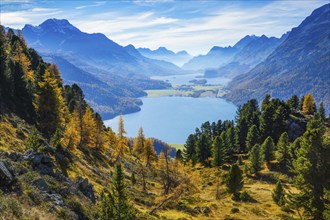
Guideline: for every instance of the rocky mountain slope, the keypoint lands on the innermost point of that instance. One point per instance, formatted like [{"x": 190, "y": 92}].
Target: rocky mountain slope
[{"x": 298, "y": 66}]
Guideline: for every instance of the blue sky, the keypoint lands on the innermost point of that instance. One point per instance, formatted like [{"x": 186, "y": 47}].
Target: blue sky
[{"x": 194, "y": 26}]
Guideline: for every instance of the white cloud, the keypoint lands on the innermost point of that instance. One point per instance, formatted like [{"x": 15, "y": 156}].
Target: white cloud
[
  {"x": 17, "y": 19},
  {"x": 206, "y": 27},
  {"x": 97, "y": 4}
]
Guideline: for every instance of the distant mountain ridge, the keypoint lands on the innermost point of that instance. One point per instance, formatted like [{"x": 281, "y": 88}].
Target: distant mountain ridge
[
  {"x": 248, "y": 56},
  {"x": 163, "y": 53},
  {"x": 217, "y": 56},
  {"x": 298, "y": 66}
]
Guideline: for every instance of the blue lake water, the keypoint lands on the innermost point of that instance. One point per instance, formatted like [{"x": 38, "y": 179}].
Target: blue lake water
[{"x": 172, "y": 119}]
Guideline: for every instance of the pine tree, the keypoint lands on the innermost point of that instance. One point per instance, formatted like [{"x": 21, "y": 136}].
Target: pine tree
[
  {"x": 252, "y": 137},
  {"x": 122, "y": 207},
  {"x": 219, "y": 153},
  {"x": 293, "y": 103},
  {"x": 234, "y": 180},
  {"x": 203, "y": 151},
  {"x": 178, "y": 155},
  {"x": 139, "y": 143},
  {"x": 189, "y": 148},
  {"x": 33, "y": 140},
  {"x": 265, "y": 102},
  {"x": 106, "y": 206},
  {"x": 309, "y": 106},
  {"x": 255, "y": 159},
  {"x": 278, "y": 194},
  {"x": 89, "y": 129},
  {"x": 283, "y": 154},
  {"x": 267, "y": 150},
  {"x": 321, "y": 111},
  {"x": 312, "y": 170}
]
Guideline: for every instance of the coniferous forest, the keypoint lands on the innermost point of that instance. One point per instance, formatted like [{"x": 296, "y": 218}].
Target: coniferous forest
[{"x": 58, "y": 160}]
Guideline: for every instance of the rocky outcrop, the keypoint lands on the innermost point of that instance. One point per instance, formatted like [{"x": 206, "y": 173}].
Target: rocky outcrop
[
  {"x": 6, "y": 178},
  {"x": 40, "y": 162},
  {"x": 86, "y": 188}
]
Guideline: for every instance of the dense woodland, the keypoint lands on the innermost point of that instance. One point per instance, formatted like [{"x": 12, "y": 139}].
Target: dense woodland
[{"x": 59, "y": 161}]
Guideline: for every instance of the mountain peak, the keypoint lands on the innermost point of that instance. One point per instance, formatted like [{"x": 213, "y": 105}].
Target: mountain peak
[{"x": 57, "y": 24}]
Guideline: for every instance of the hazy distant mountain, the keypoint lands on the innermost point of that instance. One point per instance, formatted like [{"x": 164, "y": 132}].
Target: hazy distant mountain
[
  {"x": 114, "y": 75},
  {"x": 298, "y": 66},
  {"x": 162, "y": 53},
  {"x": 248, "y": 56},
  {"x": 107, "y": 99},
  {"x": 217, "y": 56},
  {"x": 95, "y": 50}
]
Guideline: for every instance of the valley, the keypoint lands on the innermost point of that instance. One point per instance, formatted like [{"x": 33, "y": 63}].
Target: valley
[{"x": 100, "y": 121}]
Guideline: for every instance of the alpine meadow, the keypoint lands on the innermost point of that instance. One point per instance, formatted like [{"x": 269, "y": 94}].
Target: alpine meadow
[{"x": 165, "y": 109}]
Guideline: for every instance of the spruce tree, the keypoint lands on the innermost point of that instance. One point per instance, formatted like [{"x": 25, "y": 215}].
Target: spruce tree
[
  {"x": 267, "y": 150},
  {"x": 252, "y": 137},
  {"x": 278, "y": 194},
  {"x": 255, "y": 159},
  {"x": 234, "y": 180},
  {"x": 283, "y": 154},
  {"x": 33, "y": 141}
]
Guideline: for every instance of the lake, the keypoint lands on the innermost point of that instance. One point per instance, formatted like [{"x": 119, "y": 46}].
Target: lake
[{"x": 172, "y": 119}]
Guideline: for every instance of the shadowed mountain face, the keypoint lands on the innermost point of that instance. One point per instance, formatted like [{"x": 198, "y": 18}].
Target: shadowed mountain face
[
  {"x": 298, "y": 66},
  {"x": 111, "y": 76},
  {"x": 162, "y": 53}
]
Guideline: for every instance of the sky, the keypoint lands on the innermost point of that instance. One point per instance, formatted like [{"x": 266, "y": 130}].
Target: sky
[{"x": 192, "y": 25}]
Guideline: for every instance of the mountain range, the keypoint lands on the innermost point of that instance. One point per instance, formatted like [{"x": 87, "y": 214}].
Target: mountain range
[
  {"x": 162, "y": 53},
  {"x": 117, "y": 74},
  {"x": 299, "y": 65}
]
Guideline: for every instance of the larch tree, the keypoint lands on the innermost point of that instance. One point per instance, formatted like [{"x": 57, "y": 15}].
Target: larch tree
[
  {"x": 89, "y": 129},
  {"x": 309, "y": 106},
  {"x": 149, "y": 152},
  {"x": 139, "y": 143},
  {"x": 49, "y": 105},
  {"x": 121, "y": 129},
  {"x": 72, "y": 133}
]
